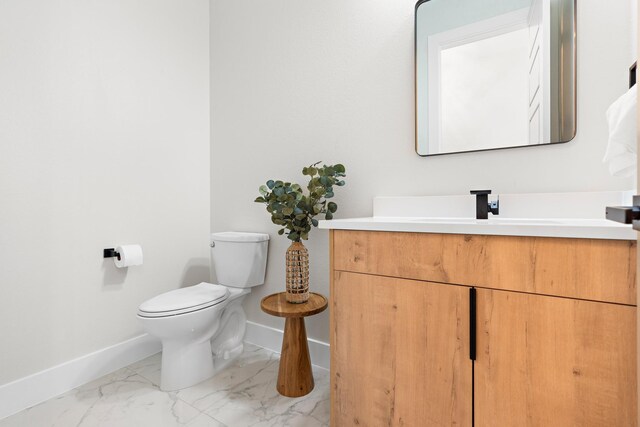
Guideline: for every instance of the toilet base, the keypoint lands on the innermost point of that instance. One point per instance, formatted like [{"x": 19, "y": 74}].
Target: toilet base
[
  {"x": 185, "y": 365},
  {"x": 198, "y": 344}
]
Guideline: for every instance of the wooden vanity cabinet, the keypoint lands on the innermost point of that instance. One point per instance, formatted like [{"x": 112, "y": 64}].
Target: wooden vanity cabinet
[
  {"x": 547, "y": 361},
  {"x": 401, "y": 355},
  {"x": 555, "y": 335}
]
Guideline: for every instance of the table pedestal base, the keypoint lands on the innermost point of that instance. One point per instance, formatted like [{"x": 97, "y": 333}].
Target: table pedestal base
[{"x": 295, "y": 377}]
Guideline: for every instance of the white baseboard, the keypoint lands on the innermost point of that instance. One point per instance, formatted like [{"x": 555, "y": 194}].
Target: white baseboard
[
  {"x": 271, "y": 339},
  {"x": 29, "y": 391}
]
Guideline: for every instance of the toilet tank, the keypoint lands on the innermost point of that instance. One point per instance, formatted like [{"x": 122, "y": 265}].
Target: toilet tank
[{"x": 239, "y": 259}]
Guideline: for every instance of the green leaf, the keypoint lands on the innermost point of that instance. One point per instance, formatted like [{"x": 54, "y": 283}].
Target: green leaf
[{"x": 293, "y": 207}]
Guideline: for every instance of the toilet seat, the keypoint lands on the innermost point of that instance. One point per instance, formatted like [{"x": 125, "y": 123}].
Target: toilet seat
[{"x": 184, "y": 300}]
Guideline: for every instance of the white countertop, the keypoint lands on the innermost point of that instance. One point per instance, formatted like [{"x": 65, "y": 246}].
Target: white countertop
[
  {"x": 568, "y": 215},
  {"x": 560, "y": 227}
]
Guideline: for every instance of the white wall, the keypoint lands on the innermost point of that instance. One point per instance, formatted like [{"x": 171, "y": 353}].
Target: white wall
[
  {"x": 295, "y": 81},
  {"x": 104, "y": 140}
]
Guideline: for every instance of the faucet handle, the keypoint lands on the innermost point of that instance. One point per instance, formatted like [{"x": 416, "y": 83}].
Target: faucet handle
[
  {"x": 480, "y": 192},
  {"x": 494, "y": 207}
]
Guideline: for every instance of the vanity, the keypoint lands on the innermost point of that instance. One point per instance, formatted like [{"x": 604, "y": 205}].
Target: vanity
[
  {"x": 442, "y": 314},
  {"x": 439, "y": 319}
]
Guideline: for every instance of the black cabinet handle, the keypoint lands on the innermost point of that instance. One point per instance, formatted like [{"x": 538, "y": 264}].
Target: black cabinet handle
[{"x": 472, "y": 323}]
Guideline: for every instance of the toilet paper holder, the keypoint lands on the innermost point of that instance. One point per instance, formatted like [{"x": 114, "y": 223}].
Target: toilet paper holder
[{"x": 111, "y": 253}]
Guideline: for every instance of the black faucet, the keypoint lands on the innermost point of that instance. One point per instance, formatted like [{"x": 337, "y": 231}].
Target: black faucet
[{"x": 483, "y": 206}]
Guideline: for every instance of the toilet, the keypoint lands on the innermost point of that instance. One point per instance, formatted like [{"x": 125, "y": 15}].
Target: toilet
[{"x": 202, "y": 327}]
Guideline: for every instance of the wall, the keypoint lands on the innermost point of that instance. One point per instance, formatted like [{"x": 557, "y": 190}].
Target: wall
[
  {"x": 294, "y": 82},
  {"x": 104, "y": 140}
]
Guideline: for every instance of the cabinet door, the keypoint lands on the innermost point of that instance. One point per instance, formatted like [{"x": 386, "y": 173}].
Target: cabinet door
[
  {"x": 548, "y": 361},
  {"x": 399, "y": 352}
]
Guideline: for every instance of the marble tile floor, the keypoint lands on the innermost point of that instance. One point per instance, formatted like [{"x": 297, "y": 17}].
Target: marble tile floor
[{"x": 243, "y": 395}]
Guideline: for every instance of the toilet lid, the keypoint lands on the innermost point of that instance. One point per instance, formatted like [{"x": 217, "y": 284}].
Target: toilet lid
[{"x": 185, "y": 300}]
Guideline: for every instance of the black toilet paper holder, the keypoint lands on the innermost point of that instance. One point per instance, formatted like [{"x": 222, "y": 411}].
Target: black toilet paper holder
[{"x": 111, "y": 253}]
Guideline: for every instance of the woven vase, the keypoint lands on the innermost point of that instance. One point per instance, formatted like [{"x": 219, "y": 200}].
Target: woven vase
[{"x": 297, "y": 273}]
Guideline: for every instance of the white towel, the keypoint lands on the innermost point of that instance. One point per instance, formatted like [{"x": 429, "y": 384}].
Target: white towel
[{"x": 622, "y": 118}]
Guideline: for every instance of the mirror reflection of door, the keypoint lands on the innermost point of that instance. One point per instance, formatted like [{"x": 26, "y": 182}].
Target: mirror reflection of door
[
  {"x": 489, "y": 72},
  {"x": 539, "y": 72}
]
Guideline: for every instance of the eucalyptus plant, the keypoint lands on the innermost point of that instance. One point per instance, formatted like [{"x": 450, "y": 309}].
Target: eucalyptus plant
[{"x": 294, "y": 210}]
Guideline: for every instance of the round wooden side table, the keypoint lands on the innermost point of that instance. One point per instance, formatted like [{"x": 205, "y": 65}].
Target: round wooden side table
[{"x": 295, "y": 377}]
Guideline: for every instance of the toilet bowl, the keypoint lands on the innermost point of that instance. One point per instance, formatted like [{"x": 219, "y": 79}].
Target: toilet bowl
[{"x": 202, "y": 327}]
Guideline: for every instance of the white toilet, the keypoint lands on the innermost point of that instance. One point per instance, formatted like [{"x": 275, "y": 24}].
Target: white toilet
[{"x": 202, "y": 326}]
